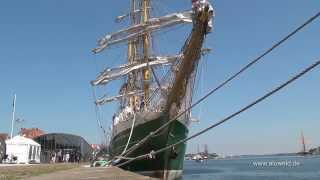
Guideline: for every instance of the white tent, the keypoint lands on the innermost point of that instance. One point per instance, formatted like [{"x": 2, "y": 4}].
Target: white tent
[{"x": 26, "y": 150}]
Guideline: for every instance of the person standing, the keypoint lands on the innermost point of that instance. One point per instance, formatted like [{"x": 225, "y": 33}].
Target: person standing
[
  {"x": 78, "y": 157},
  {"x": 67, "y": 157},
  {"x": 53, "y": 157},
  {"x": 59, "y": 155}
]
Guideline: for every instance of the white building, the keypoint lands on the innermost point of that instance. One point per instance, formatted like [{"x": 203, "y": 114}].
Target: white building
[{"x": 24, "y": 149}]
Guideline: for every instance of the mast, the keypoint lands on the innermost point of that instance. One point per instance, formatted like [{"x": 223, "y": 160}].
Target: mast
[
  {"x": 132, "y": 53},
  {"x": 303, "y": 143},
  {"x": 146, "y": 71}
]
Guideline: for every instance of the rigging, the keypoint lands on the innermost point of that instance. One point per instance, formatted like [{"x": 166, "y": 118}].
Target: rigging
[{"x": 224, "y": 83}]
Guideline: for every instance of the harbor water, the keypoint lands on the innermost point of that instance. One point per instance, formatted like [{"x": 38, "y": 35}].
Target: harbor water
[{"x": 255, "y": 168}]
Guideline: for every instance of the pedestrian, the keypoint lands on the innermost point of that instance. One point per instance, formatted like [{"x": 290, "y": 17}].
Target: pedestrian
[
  {"x": 59, "y": 155},
  {"x": 67, "y": 157},
  {"x": 53, "y": 159}
]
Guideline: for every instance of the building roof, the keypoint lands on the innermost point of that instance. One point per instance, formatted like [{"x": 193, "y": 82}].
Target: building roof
[
  {"x": 63, "y": 138},
  {"x": 4, "y": 136},
  {"x": 20, "y": 140}
]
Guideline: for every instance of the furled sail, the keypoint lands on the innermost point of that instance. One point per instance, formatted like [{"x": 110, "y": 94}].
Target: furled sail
[
  {"x": 153, "y": 24},
  {"x": 105, "y": 99},
  {"x": 115, "y": 73}
]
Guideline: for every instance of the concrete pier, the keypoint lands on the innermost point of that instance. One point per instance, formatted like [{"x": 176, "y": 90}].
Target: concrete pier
[{"x": 83, "y": 173}]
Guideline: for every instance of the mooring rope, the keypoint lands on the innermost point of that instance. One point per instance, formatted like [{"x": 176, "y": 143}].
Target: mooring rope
[{"x": 131, "y": 131}]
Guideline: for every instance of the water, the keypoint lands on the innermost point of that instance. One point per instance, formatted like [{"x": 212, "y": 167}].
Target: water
[{"x": 255, "y": 168}]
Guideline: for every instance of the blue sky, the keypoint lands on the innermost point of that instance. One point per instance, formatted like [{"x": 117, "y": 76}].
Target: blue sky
[{"x": 45, "y": 58}]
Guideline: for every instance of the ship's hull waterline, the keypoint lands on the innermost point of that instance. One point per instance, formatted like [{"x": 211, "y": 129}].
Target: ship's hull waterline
[{"x": 165, "y": 165}]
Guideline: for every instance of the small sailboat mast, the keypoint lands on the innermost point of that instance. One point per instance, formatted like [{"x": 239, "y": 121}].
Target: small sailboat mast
[{"x": 303, "y": 143}]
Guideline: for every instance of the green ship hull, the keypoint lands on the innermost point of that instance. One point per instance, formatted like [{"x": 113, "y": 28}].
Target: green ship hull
[{"x": 166, "y": 165}]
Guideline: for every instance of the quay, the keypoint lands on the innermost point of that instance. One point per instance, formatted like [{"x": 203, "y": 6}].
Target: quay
[
  {"x": 95, "y": 173},
  {"x": 67, "y": 171}
]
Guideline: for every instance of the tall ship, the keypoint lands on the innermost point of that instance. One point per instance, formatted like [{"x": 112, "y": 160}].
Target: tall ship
[{"x": 154, "y": 88}]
